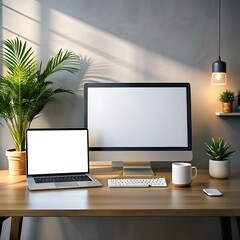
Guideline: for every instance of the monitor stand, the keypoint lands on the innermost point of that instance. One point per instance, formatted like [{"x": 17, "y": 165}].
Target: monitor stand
[{"x": 133, "y": 168}]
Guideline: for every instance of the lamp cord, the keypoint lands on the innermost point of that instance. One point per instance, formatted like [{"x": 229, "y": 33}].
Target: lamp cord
[{"x": 219, "y": 27}]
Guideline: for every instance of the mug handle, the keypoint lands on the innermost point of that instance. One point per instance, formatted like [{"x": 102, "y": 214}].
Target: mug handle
[{"x": 195, "y": 168}]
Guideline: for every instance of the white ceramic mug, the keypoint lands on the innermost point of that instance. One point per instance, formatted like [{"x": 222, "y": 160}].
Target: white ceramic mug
[{"x": 182, "y": 174}]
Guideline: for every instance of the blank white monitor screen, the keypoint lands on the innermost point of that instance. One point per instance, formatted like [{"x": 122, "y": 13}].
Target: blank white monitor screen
[{"x": 137, "y": 118}]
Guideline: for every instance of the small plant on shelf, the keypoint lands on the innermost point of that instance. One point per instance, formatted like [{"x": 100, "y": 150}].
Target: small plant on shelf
[
  {"x": 227, "y": 98},
  {"x": 238, "y": 102}
]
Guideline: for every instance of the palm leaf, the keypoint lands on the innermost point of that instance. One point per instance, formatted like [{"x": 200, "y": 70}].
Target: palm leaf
[
  {"x": 63, "y": 61},
  {"x": 15, "y": 54}
]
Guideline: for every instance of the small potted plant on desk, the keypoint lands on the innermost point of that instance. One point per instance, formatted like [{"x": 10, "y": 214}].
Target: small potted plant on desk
[
  {"x": 219, "y": 164},
  {"x": 227, "y": 98},
  {"x": 25, "y": 90}
]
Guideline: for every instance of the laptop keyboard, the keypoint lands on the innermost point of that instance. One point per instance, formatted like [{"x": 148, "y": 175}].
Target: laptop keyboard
[{"x": 69, "y": 178}]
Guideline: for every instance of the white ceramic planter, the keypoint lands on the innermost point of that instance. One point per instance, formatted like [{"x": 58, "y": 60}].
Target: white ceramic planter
[{"x": 219, "y": 169}]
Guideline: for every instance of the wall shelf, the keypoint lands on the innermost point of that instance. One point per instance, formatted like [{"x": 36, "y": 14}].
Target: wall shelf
[{"x": 233, "y": 114}]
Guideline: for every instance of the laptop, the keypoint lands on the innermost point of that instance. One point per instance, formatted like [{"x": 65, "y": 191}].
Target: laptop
[{"x": 58, "y": 158}]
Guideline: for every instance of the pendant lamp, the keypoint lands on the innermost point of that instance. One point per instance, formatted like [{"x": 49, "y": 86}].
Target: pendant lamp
[{"x": 219, "y": 76}]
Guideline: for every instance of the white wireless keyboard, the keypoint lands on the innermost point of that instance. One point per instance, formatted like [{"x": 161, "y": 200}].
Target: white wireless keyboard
[{"x": 137, "y": 182}]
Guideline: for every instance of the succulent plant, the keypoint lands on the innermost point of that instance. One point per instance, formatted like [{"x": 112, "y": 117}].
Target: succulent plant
[{"x": 218, "y": 149}]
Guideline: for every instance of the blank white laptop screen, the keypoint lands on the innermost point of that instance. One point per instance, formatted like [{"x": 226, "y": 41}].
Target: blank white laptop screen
[{"x": 57, "y": 151}]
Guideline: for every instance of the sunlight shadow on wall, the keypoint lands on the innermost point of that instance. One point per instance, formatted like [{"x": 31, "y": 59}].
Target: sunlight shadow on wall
[
  {"x": 22, "y": 20},
  {"x": 128, "y": 61}
]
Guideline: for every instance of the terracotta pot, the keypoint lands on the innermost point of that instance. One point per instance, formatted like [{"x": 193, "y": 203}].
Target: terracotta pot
[
  {"x": 219, "y": 169},
  {"x": 227, "y": 107},
  {"x": 16, "y": 162}
]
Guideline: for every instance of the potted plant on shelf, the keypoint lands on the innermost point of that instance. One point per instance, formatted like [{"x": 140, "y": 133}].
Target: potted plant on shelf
[
  {"x": 25, "y": 90},
  {"x": 219, "y": 152},
  {"x": 238, "y": 102},
  {"x": 227, "y": 98}
]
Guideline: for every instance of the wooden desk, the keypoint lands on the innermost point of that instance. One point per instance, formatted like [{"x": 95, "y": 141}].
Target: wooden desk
[{"x": 17, "y": 201}]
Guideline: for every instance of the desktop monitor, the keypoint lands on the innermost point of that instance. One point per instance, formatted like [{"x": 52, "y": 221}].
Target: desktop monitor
[{"x": 138, "y": 123}]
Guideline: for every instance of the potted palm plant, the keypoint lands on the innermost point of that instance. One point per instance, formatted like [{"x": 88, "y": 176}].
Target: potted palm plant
[
  {"x": 227, "y": 98},
  {"x": 24, "y": 91},
  {"x": 219, "y": 151}
]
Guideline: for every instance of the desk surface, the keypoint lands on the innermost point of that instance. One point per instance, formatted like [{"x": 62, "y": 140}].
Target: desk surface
[{"x": 17, "y": 200}]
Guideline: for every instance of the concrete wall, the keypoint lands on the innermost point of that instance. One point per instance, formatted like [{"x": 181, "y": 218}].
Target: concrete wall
[{"x": 131, "y": 41}]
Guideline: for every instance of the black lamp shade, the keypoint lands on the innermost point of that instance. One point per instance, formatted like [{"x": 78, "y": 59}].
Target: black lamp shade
[{"x": 219, "y": 66}]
